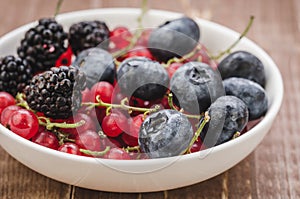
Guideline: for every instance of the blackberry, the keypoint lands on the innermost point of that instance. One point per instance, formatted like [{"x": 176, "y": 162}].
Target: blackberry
[
  {"x": 56, "y": 92},
  {"x": 43, "y": 44},
  {"x": 88, "y": 34},
  {"x": 15, "y": 74}
]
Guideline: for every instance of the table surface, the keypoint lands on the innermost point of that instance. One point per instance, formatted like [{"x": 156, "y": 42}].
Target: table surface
[{"x": 271, "y": 171}]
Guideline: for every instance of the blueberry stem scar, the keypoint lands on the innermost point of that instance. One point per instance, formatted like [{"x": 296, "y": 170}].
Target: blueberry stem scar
[
  {"x": 95, "y": 153},
  {"x": 198, "y": 132},
  {"x": 243, "y": 34}
]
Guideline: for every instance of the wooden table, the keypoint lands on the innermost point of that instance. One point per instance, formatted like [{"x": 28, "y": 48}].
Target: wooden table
[{"x": 271, "y": 171}]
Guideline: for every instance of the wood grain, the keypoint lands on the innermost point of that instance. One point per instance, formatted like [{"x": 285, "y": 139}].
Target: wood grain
[{"x": 271, "y": 171}]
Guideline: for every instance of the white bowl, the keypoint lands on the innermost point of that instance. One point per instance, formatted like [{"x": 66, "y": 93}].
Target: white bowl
[{"x": 154, "y": 174}]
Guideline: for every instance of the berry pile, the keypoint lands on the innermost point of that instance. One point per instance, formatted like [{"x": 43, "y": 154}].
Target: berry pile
[{"x": 116, "y": 94}]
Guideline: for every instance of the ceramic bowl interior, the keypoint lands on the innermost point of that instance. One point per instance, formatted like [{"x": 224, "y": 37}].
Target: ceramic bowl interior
[{"x": 154, "y": 174}]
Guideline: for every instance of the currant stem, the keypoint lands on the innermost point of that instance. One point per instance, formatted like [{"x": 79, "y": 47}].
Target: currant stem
[
  {"x": 243, "y": 34},
  {"x": 183, "y": 58},
  {"x": 172, "y": 106},
  {"x": 21, "y": 101},
  {"x": 44, "y": 121},
  {"x": 236, "y": 135},
  {"x": 198, "y": 132},
  {"x": 123, "y": 105},
  {"x": 137, "y": 33},
  {"x": 133, "y": 148},
  {"x": 95, "y": 153},
  {"x": 58, "y": 6}
]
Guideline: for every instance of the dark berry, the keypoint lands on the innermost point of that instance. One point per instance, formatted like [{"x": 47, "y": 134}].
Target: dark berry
[
  {"x": 24, "y": 123},
  {"x": 88, "y": 34},
  {"x": 251, "y": 93},
  {"x": 57, "y": 92},
  {"x": 195, "y": 86},
  {"x": 97, "y": 64},
  {"x": 174, "y": 38},
  {"x": 243, "y": 64},
  {"x": 165, "y": 133},
  {"x": 43, "y": 45},
  {"x": 228, "y": 115},
  {"x": 15, "y": 74},
  {"x": 142, "y": 78}
]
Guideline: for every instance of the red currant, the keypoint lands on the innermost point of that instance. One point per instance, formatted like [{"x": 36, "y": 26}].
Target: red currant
[
  {"x": 6, "y": 99},
  {"x": 114, "y": 124},
  {"x": 143, "y": 40},
  {"x": 6, "y": 114},
  {"x": 117, "y": 153},
  {"x": 89, "y": 140},
  {"x": 86, "y": 95},
  {"x": 104, "y": 90},
  {"x": 24, "y": 123},
  {"x": 197, "y": 146},
  {"x": 65, "y": 59},
  {"x": 120, "y": 38},
  {"x": 138, "y": 51},
  {"x": 70, "y": 148},
  {"x": 46, "y": 139},
  {"x": 89, "y": 124},
  {"x": 172, "y": 68},
  {"x": 131, "y": 137}
]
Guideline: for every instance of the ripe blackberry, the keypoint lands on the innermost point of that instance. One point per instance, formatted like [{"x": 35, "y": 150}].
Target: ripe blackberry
[
  {"x": 88, "y": 34},
  {"x": 15, "y": 74},
  {"x": 43, "y": 44},
  {"x": 56, "y": 92}
]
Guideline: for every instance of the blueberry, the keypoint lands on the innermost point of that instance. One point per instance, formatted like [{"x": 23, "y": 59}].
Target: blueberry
[
  {"x": 243, "y": 64},
  {"x": 174, "y": 38},
  {"x": 142, "y": 78},
  {"x": 250, "y": 92},
  {"x": 165, "y": 133},
  {"x": 228, "y": 115},
  {"x": 97, "y": 64},
  {"x": 195, "y": 86}
]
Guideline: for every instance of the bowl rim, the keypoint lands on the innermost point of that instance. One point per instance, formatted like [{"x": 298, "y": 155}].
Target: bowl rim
[{"x": 270, "y": 115}]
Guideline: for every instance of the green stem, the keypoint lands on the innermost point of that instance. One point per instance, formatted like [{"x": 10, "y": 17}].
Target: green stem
[
  {"x": 58, "y": 6},
  {"x": 44, "y": 121},
  {"x": 21, "y": 101},
  {"x": 95, "y": 153},
  {"x": 243, "y": 34},
  {"x": 137, "y": 33},
  {"x": 133, "y": 148},
  {"x": 172, "y": 106},
  {"x": 123, "y": 105},
  {"x": 236, "y": 135},
  {"x": 198, "y": 132}
]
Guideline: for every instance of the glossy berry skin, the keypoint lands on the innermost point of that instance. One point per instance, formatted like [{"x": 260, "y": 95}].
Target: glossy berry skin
[
  {"x": 89, "y": 140},
  {"x": 228, "y": 114},
  {"x": 119, "y": 38},
  {"x": 131, "y": 137},
  {"x": 24, "y": 123},
  {"x": 174, "y": 38},
  {"x": 6, "y": 114},
  {"x": 195, "y": 86},
  {"x": 47, "y": 139},
  {"x": 114, "y": 124},
  {"x": 165, "y": 133},
  {"x": 139, "y": 51},
  {"x": 70, "y": 148},
  {"x": 243, "y": 64},
  {"x": 104, "y": 90},
  {"x": 6, "y": 100},
  {"x": 142, "y": 78},
  {"x": 117, "y": 154},
  {"x": 89, "y": 124},
  {"x": 97, "y": 64},
  {"x": 252, "y": 94}
]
